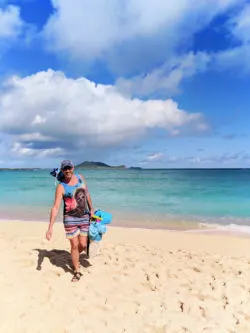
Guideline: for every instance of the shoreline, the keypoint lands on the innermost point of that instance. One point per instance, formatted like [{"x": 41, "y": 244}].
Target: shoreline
[
  {"x": 150, "y": 220},
  {"x": 175, "y": 227},
  {"x": 203, "y": 236}
]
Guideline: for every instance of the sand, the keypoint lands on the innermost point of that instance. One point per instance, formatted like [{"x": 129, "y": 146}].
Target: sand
[{"x": 147, "y": 281}]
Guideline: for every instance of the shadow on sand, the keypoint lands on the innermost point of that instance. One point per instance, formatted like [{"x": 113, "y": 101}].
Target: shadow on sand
[{"x": 60, "y": 258}]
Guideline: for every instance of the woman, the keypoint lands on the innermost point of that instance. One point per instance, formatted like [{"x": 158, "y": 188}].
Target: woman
[{"x": 77, "y": 213}]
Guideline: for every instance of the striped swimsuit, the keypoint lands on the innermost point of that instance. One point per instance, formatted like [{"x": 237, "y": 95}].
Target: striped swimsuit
[{"x": 76, "y": 215}]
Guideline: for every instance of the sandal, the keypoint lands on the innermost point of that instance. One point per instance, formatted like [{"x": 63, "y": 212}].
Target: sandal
[{"x": 76, "y": 277}]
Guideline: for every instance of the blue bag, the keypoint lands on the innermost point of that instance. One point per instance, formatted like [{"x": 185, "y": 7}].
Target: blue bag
[
  {"x": 96, "y": 230},
  {"x": 106, "y": 217},
  {"x": 93, "y": 232}
]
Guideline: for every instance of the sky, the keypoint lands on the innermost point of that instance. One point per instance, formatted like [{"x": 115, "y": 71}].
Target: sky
[{"x": 154, "y": 84}]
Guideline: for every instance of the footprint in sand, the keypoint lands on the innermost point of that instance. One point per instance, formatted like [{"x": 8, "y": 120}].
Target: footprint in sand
[{"x": 152, "y": 281}]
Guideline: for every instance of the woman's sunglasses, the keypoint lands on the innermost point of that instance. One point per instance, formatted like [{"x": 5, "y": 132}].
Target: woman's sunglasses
[{"x": 67, "y": 168}]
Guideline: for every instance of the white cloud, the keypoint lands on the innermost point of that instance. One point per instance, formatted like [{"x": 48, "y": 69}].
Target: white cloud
[
  {"x": 50, "y": 111},
  {"x": 225, "y": 158},
  {"x": 155, "y": 157},
  {"x": 222, "y": 160},
  {"x": 19, "y": 151},
  {"x": 10, "y": 22},
  {"x": 237, "y": 57},
  {"x": 167, "y": 78},
  {"x": 240, "y": 25},
  {"x": 38, "y": 120},
  {"x": 29, "y": 137},
  {"x": 146, "y": 45},
  {"x": 128, "y": 35}
]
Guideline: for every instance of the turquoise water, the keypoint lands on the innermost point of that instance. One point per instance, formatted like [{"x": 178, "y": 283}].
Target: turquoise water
[{"x": 220, "y": 196}]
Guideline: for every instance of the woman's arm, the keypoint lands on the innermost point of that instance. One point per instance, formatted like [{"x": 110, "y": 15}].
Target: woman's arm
[{"x": 55, "y": 210}]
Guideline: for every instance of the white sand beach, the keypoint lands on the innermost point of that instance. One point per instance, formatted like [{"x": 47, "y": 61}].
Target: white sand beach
[{"x": 147, "y": 281}]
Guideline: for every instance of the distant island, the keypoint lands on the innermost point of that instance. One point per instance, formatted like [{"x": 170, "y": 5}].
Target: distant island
[{"x": 101, "y": 165}]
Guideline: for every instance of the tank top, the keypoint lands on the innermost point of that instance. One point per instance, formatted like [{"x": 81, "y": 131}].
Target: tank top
[{"x": 76, "y": 209}]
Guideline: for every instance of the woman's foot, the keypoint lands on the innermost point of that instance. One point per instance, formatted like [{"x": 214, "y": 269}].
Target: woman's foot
[{"x": 76, "y": 277}]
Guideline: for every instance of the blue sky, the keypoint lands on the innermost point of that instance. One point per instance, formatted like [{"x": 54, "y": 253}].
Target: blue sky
[{"x": 151, "y": 84}]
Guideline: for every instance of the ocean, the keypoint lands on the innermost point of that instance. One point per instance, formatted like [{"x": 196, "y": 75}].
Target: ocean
[{"x": 165, "y": 198}]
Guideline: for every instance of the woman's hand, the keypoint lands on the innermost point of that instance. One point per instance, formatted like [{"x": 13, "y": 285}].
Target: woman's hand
[
  {"x": 92, "y": 212},
  {"x": 49, "y": 234}
]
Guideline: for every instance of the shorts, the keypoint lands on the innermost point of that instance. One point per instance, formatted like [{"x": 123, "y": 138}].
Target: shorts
[{"x": 74, "y": 230}]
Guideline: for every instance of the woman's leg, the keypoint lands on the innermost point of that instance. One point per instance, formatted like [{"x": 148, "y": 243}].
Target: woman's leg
[
  {"x": 83, "y": 237},
  {"x": 74, "y": 242},
  {"x": 82, "y": 243}
]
